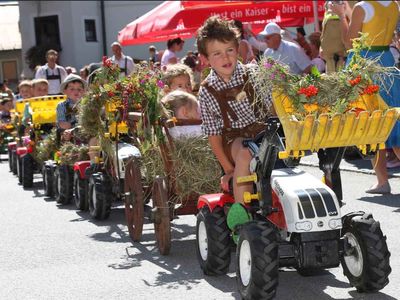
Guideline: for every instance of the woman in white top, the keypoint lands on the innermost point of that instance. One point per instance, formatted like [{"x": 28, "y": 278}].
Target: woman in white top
[
  {"x": 245, "y": 50},
  {"x": 169, "y": 55}
]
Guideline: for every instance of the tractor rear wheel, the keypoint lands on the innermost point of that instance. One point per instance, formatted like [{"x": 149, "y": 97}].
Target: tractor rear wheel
[
  {"x": 27, "y": 170},
  {"x": 213, "y": 241},
  {"x": 100, "y": 196},
  {"x": 134, "y": 205},
  {"x": 14, "y": 159}
]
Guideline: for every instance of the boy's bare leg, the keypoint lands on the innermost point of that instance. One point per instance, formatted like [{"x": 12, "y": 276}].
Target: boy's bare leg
[{"x": 242, "y": 157}]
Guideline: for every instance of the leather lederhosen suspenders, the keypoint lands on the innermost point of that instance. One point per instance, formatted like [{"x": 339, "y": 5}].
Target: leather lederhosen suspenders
[
  {"x": 126, "y": 66},
  {"x": 53, "y": 77},
  {"x": 222, "y": 97}
]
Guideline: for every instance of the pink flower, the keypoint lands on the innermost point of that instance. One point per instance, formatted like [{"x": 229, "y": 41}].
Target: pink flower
[
  {"x": 267, "y": 65},
  {"x": 160, "y": 84}
]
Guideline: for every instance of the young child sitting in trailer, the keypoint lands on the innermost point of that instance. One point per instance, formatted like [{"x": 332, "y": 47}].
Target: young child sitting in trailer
[
  {"x": 177, "y": 77},
  {"x": 40, "y": 87},
  {"x": 185, "y": 108}
]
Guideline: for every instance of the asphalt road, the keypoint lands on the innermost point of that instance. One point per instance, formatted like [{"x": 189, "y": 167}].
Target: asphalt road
[{"x": 48, "y": 251}]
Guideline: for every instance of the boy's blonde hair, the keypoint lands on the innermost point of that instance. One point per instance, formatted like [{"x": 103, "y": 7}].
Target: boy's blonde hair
[
  {"x": 175, "y": 70},
  {"x": 215, "y": 28},
  {"x": 39, "y": 81},
  {"x": 23, "y": 83},
  {"x": 177, "y": 99}
]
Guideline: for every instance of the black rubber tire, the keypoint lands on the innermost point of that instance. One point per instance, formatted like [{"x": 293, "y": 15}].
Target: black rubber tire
[
  {"x": 80, "y": 192},
  {"x": 64, "y": 184},
  {"x": 27, "y": 171},
  {"x": 260, "y": 239},
  {"x": 217, "y": 257},
  {"x": 14, "y": 161},
  {"x": 19, "y": 169},
  {"x": 100, "y": 196},
  {"x": 374, "y": 275},
  {"x": 10, "y": 162},
  {"x": 48, "y": 180}
]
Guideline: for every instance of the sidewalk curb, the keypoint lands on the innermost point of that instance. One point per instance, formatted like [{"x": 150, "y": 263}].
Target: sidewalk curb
[{"x": 350, "y": 169}]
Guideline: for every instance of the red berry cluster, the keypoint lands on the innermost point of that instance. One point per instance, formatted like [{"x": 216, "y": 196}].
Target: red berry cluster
[
  {"x": 110, "y": 94},
  {"x": 371, "y": 89},
  {"x": 355, "y": 81},
  {"x": 106, "y": 62},
  {"x": 308, "y": 91}
]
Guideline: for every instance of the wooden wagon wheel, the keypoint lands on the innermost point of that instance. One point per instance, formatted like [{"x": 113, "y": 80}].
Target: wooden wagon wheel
[
  {"x": 134, "y": 206},
  {"x": 162, "y": 225}
]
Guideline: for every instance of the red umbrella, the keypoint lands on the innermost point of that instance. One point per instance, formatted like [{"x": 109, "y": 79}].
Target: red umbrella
[{"x": 173, "y": 19}]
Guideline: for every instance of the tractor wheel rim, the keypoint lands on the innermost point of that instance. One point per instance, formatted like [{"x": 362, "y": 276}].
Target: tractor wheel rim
[
  {"x": 245, "y": 262},
  {"x": 59, "y": 183},
  {"x": 76, "y": 188},
  {"x": 354, "y": 261},
  {"x": 203, "y": 241},
  {"x": 94, "y": 198}
]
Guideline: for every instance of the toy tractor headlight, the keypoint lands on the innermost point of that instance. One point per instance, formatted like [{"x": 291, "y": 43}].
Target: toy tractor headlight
[
  {"x": 303, "y": 226},
  {"x": 335, "y": 223}
]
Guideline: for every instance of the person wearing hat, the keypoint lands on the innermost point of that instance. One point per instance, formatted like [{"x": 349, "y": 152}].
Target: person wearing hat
[
  {"x": 284, "y": 51},
  {"x": 73, "y": 87},
  {"x": 125, "y": 63}
]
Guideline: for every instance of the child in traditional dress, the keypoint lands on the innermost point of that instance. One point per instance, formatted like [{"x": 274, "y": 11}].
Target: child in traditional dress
[{"x": 226, "y": 99}]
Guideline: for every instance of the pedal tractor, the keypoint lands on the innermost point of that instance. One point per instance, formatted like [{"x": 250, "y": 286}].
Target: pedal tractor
[
  {"x": 39, "y": 116},
  {"x": 6, "y": 138},
  {"x": 296, "y": 219},
  {"x": 58, "y": 173},
  {"x": 103, "y": 180}
]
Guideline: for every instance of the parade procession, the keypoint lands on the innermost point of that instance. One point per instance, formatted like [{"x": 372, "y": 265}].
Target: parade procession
[{"x": 262, "y": 163}]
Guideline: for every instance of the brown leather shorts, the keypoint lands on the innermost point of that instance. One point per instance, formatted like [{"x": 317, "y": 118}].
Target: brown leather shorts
[{"x": 230, "y": 134}]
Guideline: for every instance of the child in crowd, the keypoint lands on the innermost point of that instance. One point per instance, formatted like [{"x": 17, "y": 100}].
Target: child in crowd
[
  {"x": 73, "y": 87},
  {"x": 228, "y": 118},
  {"x": 6, "y": 105},
  {"x": 177, "y": 76},
  {"x": 25, "y": 90},
  {"x": 40, "y": 87},
  {"x": 183, "y": 106}
]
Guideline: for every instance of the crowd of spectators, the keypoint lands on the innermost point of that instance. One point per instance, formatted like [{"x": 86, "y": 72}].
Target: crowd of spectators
[{"x": 298, "y": 50}]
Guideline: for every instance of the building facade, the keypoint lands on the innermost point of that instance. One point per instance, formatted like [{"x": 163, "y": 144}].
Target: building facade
[
  {"x": 10, "y": 43},
  {"x": 82, "y": 30}
]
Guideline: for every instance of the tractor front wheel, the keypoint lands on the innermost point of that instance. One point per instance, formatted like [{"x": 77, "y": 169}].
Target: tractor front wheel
[
  {"x": 63, "y": 183},
  {"x": 80, "y": 192},
  {"x": 48, "y": 179},
  {"x": 366, "y": 258},
  {"x": 257, "y": 261}
]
